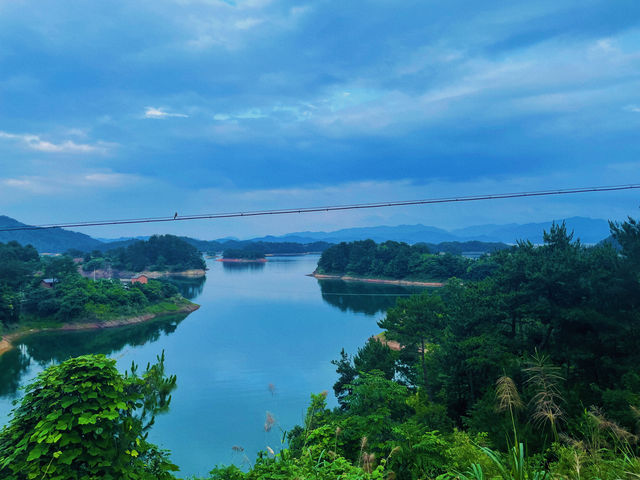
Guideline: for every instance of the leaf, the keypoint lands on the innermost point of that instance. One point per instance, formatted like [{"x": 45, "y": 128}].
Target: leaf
[{"x": 36, "y": 452}]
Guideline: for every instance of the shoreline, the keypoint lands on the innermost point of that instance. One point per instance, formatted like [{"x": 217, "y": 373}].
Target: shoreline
[
  {"x": 347, "y": 278},
  {"x": 6, "y": 341}
]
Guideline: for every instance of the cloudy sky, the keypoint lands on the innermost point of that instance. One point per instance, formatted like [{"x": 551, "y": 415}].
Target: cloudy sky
[{"x": 120, "y": 109}]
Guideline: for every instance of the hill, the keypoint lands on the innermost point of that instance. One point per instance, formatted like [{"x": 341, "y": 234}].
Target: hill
[{"x": 52, "y": 240}]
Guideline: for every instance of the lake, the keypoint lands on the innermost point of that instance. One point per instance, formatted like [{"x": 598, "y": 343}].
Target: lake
[{"x": 261, "y": 342}]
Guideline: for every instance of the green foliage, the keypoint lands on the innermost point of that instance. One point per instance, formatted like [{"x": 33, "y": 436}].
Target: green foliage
[{"x": 84, "y": 420}]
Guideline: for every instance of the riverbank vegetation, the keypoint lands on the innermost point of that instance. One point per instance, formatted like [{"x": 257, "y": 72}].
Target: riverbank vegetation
[
  {"x": 400, "y": 261},
  {"x": 528, "y": 373}
]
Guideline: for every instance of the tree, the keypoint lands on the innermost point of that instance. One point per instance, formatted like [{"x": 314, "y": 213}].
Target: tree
[
  {"x": 627, "y": 234},
  {"x": 415, "y": 322},
  {"x": 59, "y": 267},
  {"x": 83, "y": 420},
  {"x": 374, "y": 355}
]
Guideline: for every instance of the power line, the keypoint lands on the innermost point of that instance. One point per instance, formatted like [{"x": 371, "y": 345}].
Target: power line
[{"x": 331, "y": 208}]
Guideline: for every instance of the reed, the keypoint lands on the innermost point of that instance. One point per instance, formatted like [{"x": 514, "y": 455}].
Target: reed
[{"x": 545, "y": 379}]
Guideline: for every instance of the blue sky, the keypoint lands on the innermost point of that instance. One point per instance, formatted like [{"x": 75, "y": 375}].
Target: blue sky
[{"x": 125, "y": 109}]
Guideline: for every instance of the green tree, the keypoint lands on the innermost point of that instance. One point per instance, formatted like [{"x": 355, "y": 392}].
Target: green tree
[
  {"x": 415, "y": 322},
  {"x": 84, "y": 420},
  {"x": 627, "y": 234}
]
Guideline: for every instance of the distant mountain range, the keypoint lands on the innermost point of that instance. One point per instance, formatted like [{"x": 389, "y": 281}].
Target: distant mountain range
[
  {"x": 57, "y": 240},
  {"x": 589, "y": 231}
]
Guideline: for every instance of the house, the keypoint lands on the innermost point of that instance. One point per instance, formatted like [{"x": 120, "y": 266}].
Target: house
[
  {"x": 48, "y": 282},
  {"x": 140, "y": 279}
]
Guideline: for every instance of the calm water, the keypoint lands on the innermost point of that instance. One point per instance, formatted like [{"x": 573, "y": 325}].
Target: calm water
[{"x": 261, "y": 342}]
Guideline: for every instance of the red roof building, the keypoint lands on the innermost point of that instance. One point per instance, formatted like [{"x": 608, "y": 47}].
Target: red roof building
[{"x": 140, "y": 279}]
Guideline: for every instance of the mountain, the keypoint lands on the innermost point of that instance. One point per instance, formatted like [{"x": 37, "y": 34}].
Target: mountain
[
  {"x": 589, "y": 231},
  {"x": 51, "y": 240}
]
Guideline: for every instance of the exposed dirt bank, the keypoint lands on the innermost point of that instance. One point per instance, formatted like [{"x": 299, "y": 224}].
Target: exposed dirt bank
[{"x": 347, "y": 278}]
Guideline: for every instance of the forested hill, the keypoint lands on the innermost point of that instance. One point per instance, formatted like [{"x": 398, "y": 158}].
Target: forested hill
[
  {"x": 401, "y": 261},
  {"x": 159, "y": 253}
]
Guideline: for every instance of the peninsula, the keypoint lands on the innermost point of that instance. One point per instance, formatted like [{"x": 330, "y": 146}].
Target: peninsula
[
  {"x": 398, "y": 263},
  {"x": 57, "y": 292}
]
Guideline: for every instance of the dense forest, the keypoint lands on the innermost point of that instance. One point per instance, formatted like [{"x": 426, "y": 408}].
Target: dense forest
[
  {"x": 398, "y": 260},
  {"x": 528, "y": 373},
  {"x": 34, "y": 288},
  {"x": 159, "y": 253}
]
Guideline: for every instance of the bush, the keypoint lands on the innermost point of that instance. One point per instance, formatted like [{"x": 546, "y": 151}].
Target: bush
[{"x": 82, "y": 419}]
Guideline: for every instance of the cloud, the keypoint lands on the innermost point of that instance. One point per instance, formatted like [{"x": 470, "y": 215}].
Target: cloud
[
  {"x": 152, "y": 112},
  {"x": 58, "y": 183},
  {"x": 34, "y": 142},
  {"x": 247, "y": 23},
  {"x": 632, "y": 108}
]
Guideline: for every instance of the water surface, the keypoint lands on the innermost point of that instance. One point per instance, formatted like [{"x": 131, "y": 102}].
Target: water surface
[{"x": 261, "y": 342}]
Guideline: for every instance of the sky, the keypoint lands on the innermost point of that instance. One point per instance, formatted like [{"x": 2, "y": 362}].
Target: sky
[{"x": 119, "y": 109}]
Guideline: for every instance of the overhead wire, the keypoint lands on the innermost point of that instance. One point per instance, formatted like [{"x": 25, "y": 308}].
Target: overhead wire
[{"x": 328, "y": 208}]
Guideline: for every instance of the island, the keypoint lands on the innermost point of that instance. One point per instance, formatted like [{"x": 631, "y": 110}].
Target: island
[{"x": 237, "y": 255}]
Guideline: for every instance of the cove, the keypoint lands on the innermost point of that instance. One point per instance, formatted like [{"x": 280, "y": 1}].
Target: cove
[{"x": 261, "y": 342}]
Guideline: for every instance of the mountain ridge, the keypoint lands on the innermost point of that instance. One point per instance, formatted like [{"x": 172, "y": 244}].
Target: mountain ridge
[{"x": 589, "y": 230}]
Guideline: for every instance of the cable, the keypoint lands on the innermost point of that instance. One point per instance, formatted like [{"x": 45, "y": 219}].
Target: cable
[{"x": 332, "y": 208}]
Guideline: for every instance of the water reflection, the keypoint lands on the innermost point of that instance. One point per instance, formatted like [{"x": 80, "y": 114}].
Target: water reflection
[
  {"x": 54, "y": 347},
  {"x": 368, "y": 298},
  {"x": 189, "y": 287},
  {"x": 13, "y": 364},
  {"x": 231, "y": 267}
]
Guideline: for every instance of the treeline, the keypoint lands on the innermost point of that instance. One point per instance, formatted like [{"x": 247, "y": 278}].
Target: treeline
[
  {"x": 398, "y": 260},
  {"x": 50, "y": 288},
  {"x": 159, "y": 253}
]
